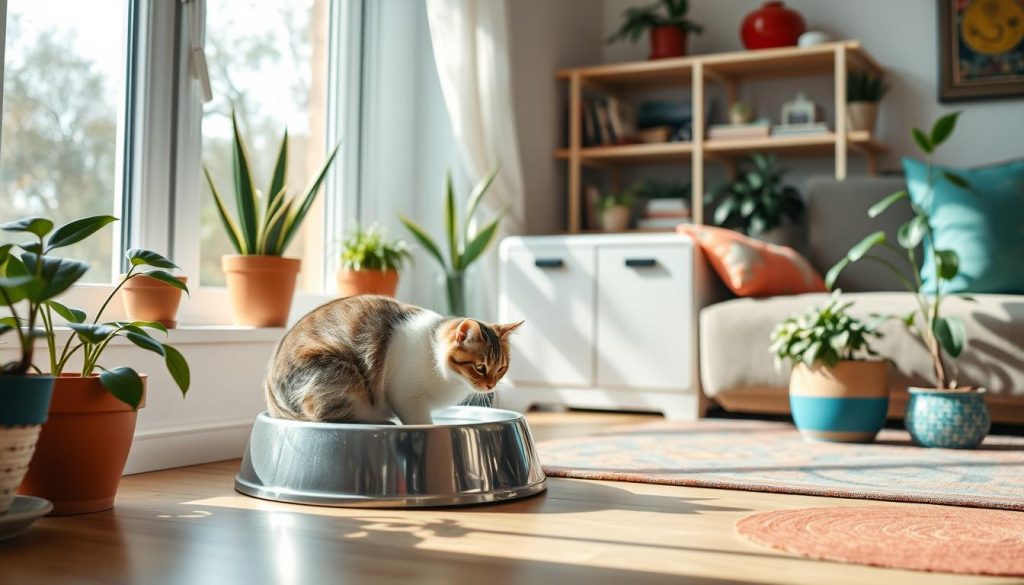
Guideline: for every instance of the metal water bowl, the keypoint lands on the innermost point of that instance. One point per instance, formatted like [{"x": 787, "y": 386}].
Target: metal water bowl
[{"x": 471, "y": 455}]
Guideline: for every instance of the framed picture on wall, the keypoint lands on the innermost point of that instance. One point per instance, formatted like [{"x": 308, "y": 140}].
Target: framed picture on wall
[{"x": 981, "y": 49}]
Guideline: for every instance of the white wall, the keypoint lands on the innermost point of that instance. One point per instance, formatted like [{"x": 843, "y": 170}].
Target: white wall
[{"x": 901, "y": 35}]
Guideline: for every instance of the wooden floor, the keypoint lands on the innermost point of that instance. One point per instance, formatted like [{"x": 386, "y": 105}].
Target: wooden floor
[{"x": 188, "y": 526}]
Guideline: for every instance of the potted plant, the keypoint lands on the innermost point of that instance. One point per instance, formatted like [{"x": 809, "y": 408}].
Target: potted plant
[
  {"x": 947, "y": 415},
  {"x": 863, "y": 92},
  {"x": 148, "y": 297},
  {"x": 617, "y": 210},
  {"x": 668, "y": 25},
  {"x": 29, "y": 282},
  {"x": 260, "y": 280},
  {"x": 464, "y": 248},
  {"x": 83, "y": 445},
  {"x": 370, "y": 263},
  {"x": 835, "y": 392},
  {"x": 758, "y": 204}
]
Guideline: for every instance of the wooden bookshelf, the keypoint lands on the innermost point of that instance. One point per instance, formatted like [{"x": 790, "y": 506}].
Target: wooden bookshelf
[{"x": 727, "y": 69}]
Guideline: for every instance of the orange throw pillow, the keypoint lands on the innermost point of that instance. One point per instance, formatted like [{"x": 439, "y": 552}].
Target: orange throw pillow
[{"x": 752, "y": 268}]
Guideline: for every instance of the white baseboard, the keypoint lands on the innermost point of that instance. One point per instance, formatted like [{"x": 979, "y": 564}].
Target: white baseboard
[{"x": 178, "y": 446}]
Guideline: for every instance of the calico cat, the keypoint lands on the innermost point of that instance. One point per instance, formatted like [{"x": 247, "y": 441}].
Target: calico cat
[{"x": 370, "y": 358}]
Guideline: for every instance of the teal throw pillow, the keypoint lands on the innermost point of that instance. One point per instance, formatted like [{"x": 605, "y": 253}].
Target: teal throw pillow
[{"x": 984, "y": 225}]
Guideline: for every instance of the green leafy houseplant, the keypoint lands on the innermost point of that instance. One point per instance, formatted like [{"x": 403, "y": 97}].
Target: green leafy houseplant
[
  {"x": 826, "y": 335},
  {"x": 35, "y": 278},
  {"x": 371, "y": 249},
  {"x": 639, "y": 19},
  {"x": 464, "y": 247},
  {"x": 267, "y": 222},
  {"x": 940, "y": 335},
  {"x": 862, "y": 86},
  {"x": 757, "y": 201},
  {"x": 625, "y": 198}
]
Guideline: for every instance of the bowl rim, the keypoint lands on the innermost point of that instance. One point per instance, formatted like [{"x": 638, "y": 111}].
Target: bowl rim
[{"x": 501, "y": 417}]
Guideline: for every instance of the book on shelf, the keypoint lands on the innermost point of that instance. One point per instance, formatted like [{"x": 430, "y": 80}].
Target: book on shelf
[
  {"x": 660, "y": 223},
  {"x": 800, "y": 129},
  {"x": 758, "y": 129},
  {"x": 668, "y": 205},
  {"x": 607, "y": 120}
]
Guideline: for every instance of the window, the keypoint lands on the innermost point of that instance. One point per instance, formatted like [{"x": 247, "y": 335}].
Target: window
[
  {"x": 267, "y": 63},
  {"x": 63, "y": 110}
]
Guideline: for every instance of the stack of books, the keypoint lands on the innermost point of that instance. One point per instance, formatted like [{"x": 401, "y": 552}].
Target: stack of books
[
  {"x": 800, "y": 129},
  {"x": 664, "y": 214},
  {"x": 757, "y": 129},
  {"x": 606, "y": 120}
]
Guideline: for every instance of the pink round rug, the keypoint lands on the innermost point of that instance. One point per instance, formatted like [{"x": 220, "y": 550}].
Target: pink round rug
[{"x": 922, "y": 538}]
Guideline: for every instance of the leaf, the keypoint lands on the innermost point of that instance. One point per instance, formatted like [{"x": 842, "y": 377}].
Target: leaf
[
  {"x": 943, "y": 127},
  {"x": 166, "y": 278},
  {"x": 140, "y": 257},
  {"x": 479, "y": 243},
  {"x": 912, "y": 232},
  {"x": 273, "y": 236},
  {"x": 878, "y": 208},
  {"x": 294, "y": 221},
  {"x": 70, "y": 315},
  {"x": 234, "y": 234},
  {"x": 34, "y": 247},
  {"x": 947, "y": 264},
  {"x": 149, "y": 325},
  {"x": 280, "y": 177},
  {"x": 451, "y": 220},
  {"x": 145, "y": 342},
  {"x": 951, "y": 334},
  {"x": 957, "y": 180},
  {"x": 77, "y": 230},
  {"x": 125, "y": 384},
  {"x": 424, "y": 239},
  {"x": 833, "y": 273},
  {"x": 92, "y": 332},
  {"x": 57, "y": 274},
  {"x": 5, "y": 252},
  {"x": 39, "y": 226},
  {"x": 864, "y": 246},
  {"x": 245, "y": 189},
  {"x": 476, "y": 196},
  {"x": 922, "y": 141},
  {"x": 908, "y": 319},
  {"x": 178, "y": 368}
]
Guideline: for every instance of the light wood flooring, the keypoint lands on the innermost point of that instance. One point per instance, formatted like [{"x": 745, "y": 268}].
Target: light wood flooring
[{"x": 188, "y": 526}]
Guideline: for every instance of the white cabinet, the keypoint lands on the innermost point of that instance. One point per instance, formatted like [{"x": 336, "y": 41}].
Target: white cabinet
[{"x": 609, "y": 321}]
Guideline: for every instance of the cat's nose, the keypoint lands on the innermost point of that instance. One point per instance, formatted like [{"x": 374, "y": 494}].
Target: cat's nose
[{"x": 491, "y": 386}]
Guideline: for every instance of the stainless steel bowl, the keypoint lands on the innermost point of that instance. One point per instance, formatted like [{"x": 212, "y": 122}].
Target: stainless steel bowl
[{"x": 471, "y": 455}]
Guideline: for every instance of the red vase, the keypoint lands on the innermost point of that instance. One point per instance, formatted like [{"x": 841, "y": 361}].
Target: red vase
[
  {"x": 772, "y": 25},
  {"x": 667, "y": 42}
]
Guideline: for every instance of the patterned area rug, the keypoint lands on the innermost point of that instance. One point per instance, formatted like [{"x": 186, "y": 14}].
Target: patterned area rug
[
  {"x": 773, "y": 457},
  {"x": 921, "y": 538}
]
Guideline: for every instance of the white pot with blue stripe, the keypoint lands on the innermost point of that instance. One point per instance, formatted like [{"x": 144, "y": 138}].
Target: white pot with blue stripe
[{"x": 843, "y": 403}]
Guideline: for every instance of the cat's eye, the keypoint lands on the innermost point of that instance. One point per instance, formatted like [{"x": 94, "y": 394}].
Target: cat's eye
[{"x": 481, "y": 369}]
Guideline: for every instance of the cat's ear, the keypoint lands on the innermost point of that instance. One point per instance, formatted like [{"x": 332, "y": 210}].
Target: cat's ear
[
  {"x": 467, "y": 330},
  {"x": 503, "y": 331}
]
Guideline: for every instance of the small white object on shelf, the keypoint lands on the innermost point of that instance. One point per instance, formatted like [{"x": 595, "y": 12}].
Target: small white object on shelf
[
  {"x": 813, "y": 37},
  {"x": 800, "y": 129}
]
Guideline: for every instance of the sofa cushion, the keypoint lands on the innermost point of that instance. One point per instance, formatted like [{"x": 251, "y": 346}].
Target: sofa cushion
[
  {"x": 837, "y": 214},
  {"x": 983, "y": 225},
  {"x": 734, "y": 340}
]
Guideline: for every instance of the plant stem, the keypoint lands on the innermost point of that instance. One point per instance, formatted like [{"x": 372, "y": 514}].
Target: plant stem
[
  {"x": 126, "y": 278},
  {"x": 50, "y": 343}
]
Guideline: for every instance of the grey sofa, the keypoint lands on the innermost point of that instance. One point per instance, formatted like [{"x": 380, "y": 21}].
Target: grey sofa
[{"x": 738, "y": 372}]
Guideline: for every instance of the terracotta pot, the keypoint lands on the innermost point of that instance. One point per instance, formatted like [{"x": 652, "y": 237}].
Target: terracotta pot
[
  {"x": 261, "y": 288},
  {"x": 772, "y": 25},
  {"x": 148, "y": 299},
  {"x": 25, "y": 402},
  {"x": 861, "y": 116},
  {"x": 616, "y": 218},
  {"x": 82, "y": 448},
  {"x": 846, "y": 403},
  {"x": 367, "y": 282},
  {"x": 667, "y": 42}
]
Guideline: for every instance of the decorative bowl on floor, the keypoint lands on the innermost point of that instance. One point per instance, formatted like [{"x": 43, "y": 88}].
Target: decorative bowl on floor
[
  {"x": 947, "y": 419},
  {"x": 471, "y": 455}
]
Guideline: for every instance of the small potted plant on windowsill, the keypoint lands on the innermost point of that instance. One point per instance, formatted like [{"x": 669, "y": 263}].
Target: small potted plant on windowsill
[
  {"x": 617, "y": 210},
  {"x": 758, "y": 204},
  {"x": 668, "y": 25},
  {"x": 835, "y": 392},
  {"x": 863, "y": 93},
  {"x": 84, "y": 444},
  {"x": 148, "y": 296},
  {"x": 260, "y": 280},
  {"x": 948, "y": 415},
  {"x": 370, "y": 262}
]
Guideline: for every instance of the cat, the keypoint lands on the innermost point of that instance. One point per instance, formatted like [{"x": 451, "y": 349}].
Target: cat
[{"x": 370, "y": 359}]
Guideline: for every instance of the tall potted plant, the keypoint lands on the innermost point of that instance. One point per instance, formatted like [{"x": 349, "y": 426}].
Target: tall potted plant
[
  {"x": 758, "y": 203},
  {"x": 464, "y": 247},
  {"x": 370, "y": 262},
  {"x": 863, "y": 92},
  {"x": 668, "y": 25},
  {"x": 260, "y": 280},
  {"x": 948, "y": 415},
  {"x": 83, "y": 446},
  {"x": 836, "y": 392}
]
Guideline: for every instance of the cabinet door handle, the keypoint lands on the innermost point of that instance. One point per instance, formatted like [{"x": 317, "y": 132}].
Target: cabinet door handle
[
  {"x": 548, "y": 263},
  {"x": 641, "y": 262}
]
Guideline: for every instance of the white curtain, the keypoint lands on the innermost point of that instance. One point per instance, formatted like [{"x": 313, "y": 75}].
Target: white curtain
[{"x": 471, "y": 51}]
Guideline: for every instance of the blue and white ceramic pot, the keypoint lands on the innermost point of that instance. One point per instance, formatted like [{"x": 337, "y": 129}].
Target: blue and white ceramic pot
[
  {"x": 947, "y": 419},
  {"x": 846, "y": 403}
]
